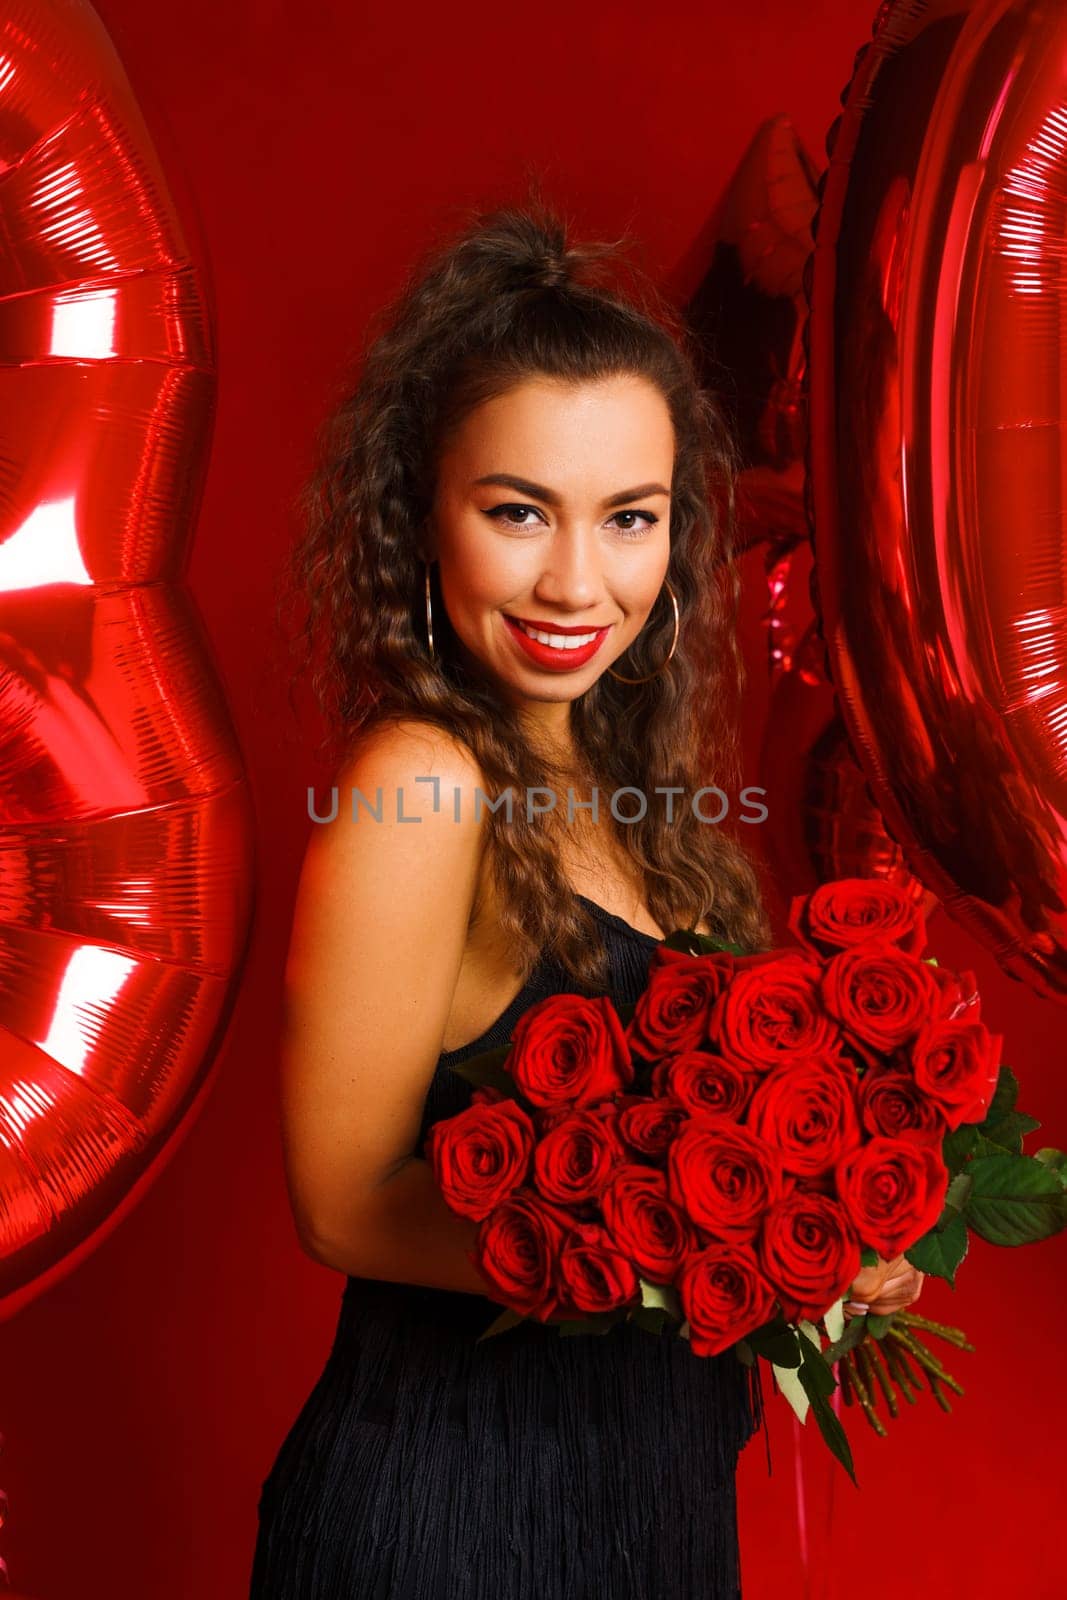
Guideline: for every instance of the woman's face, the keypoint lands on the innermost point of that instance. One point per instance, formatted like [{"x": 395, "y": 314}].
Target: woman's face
[{"x": 552, "y": 509}]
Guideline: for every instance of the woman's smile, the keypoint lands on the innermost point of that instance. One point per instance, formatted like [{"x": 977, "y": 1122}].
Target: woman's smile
[{"x": 556, "y": 649}]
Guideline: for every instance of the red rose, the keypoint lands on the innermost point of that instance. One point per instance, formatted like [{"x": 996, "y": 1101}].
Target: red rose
[
  {"x": 723, "y": 1177},
  {"x": 576, "y": 1159},
  {"x": 810, "y": 1251},
  {"x": 594, "y": 1275},
  {"x": 848, "y": 911},
  {"x": 773, "y": 1013},
  {"x": 644, "y": 1223},
  {"x": 894, "y": 1191},
  {"x": 648, "y": 1126},
  {"x": 568, "y": 1050},
  {"x": 517, "y": 1249},
  {"x": 481, "y": 1155},
  {"x": 959, "y": 993},
  {"x": 880, "y": 994},
  {"x": 892, "y": 1104},
  {"x": 724, "y": 1296},
  {"x": 703, "y": 1081},
  {"x": 807, "y": 1111},
  {"x": 957, "y": 1064},
  {"x": 672, "y": 1013}
]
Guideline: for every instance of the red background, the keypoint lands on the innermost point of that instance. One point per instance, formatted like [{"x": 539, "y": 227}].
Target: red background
[{"x": 320, "y": 146}]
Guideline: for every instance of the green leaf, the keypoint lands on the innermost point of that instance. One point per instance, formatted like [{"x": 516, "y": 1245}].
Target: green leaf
[
  {"x": 834, "y": 1320},
  {"x": 958, "y": 1145},
  {"x": 820, "y": 1377},
  {"x": 868, "y": 1257},
  {"x": 599, "y": 1322},
  {"x": 745, "y": 1353},
  {"x": 784, "y": 1352},
  {"x": 791, "y": 1388},
  {"x": 940, "y": 1251},
  {"x": 878, "y": 1327},
  {"x": 951, "y": 1212},
  {"x": 700, "y": 944},
  {"x": 1006, "y": 1138},
  {"x": 1055, "y": 1160},
  {"x": 487, "y": 1070},
  {"x": 955, "y": 1197},
  {"x": 832, "y": 1431},
  {"x": 1015, "y": 1200},
  {"x": 507, "y": 1319},
  {"x": 815, "y": 1375},
  {"x": 1003, "y": 1102},
  {"x": 810, "y": 1332},
  {"x": 780, "y": 1349},
  {"x": 662, "y": 1295},
  {"x": 651, "y": 1317}
]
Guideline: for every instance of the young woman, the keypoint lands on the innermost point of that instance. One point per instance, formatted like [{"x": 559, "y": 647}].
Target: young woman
[{"x": 518, "y": 559}]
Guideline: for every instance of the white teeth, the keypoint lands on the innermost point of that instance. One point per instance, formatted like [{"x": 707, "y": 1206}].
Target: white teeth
[{"x": 559, "y": 641}]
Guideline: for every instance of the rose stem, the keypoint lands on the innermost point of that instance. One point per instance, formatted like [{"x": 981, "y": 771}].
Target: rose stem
[
  {"x": 956, "y": 1336},
  {"x": 901, "y": 1372},
  {"x": 844, "y": 1380},
  {"x": 864, "y": 1399},
  {"x": 919, "y": 1353},
  {"x": 941, "y": 1399},
  {"x": 870, "y": 1353}
]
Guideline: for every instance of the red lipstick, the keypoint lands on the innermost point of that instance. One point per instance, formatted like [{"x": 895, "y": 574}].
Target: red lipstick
[{"x": 547, "y": 655}]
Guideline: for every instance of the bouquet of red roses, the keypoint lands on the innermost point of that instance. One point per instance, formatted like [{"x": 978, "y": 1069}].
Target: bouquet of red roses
[{"x": 720, "y": 1159}]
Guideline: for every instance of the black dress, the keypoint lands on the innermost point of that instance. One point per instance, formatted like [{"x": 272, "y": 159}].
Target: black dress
[{"x": 424, "y": 1466}]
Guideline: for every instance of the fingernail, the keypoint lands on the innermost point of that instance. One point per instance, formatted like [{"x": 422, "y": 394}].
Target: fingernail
[{"x": 856, "y": 1305}]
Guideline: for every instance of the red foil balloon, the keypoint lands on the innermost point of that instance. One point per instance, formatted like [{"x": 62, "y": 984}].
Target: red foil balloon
[
  {"x": 126, "y": 849},
  {"x": 936, "y": 455}
]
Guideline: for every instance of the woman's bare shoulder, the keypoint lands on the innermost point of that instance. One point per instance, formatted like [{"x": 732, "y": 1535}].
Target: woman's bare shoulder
[{"x": 403, "y": 743}]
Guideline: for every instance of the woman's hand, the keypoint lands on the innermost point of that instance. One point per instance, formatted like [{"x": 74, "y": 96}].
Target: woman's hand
[{"x": 886, "y": 1287}]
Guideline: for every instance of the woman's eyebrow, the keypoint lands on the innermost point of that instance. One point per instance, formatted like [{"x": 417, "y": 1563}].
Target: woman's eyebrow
[{"x": 537, "y": 491}]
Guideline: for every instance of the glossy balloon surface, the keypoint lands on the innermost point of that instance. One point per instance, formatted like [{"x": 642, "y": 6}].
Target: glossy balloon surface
[
  {"x": 937, "y": 455},
  {"x": 126, "y": 854}
]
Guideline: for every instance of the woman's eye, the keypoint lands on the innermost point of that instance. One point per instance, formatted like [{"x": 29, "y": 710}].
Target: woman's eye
[
  {"x": 641, "y": 527},
  {"x": 517, "y": 516},
  {"x": 496, "y": 513}
]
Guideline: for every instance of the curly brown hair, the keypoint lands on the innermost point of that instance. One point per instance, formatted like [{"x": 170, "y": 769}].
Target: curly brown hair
[{"x": 509, "y": 299}]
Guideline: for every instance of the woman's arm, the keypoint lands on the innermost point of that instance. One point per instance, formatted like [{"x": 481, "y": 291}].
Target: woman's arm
[
  {"x": 408, "y": 1234},
  {"x": 379, "y": 932}
]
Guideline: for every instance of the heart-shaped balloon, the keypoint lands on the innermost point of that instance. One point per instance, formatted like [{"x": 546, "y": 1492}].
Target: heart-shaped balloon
[
  {"x": 936, "y": 343},
  {"x": 126, "y": 848}
]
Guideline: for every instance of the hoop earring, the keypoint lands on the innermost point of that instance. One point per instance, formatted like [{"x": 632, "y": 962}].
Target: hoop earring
[
  {"x": 649, "y": 676},
  {"x": 429, "y": 617}
]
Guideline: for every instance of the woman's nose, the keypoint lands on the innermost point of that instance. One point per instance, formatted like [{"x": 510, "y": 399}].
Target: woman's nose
[{"x": 571, "y": 575}]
